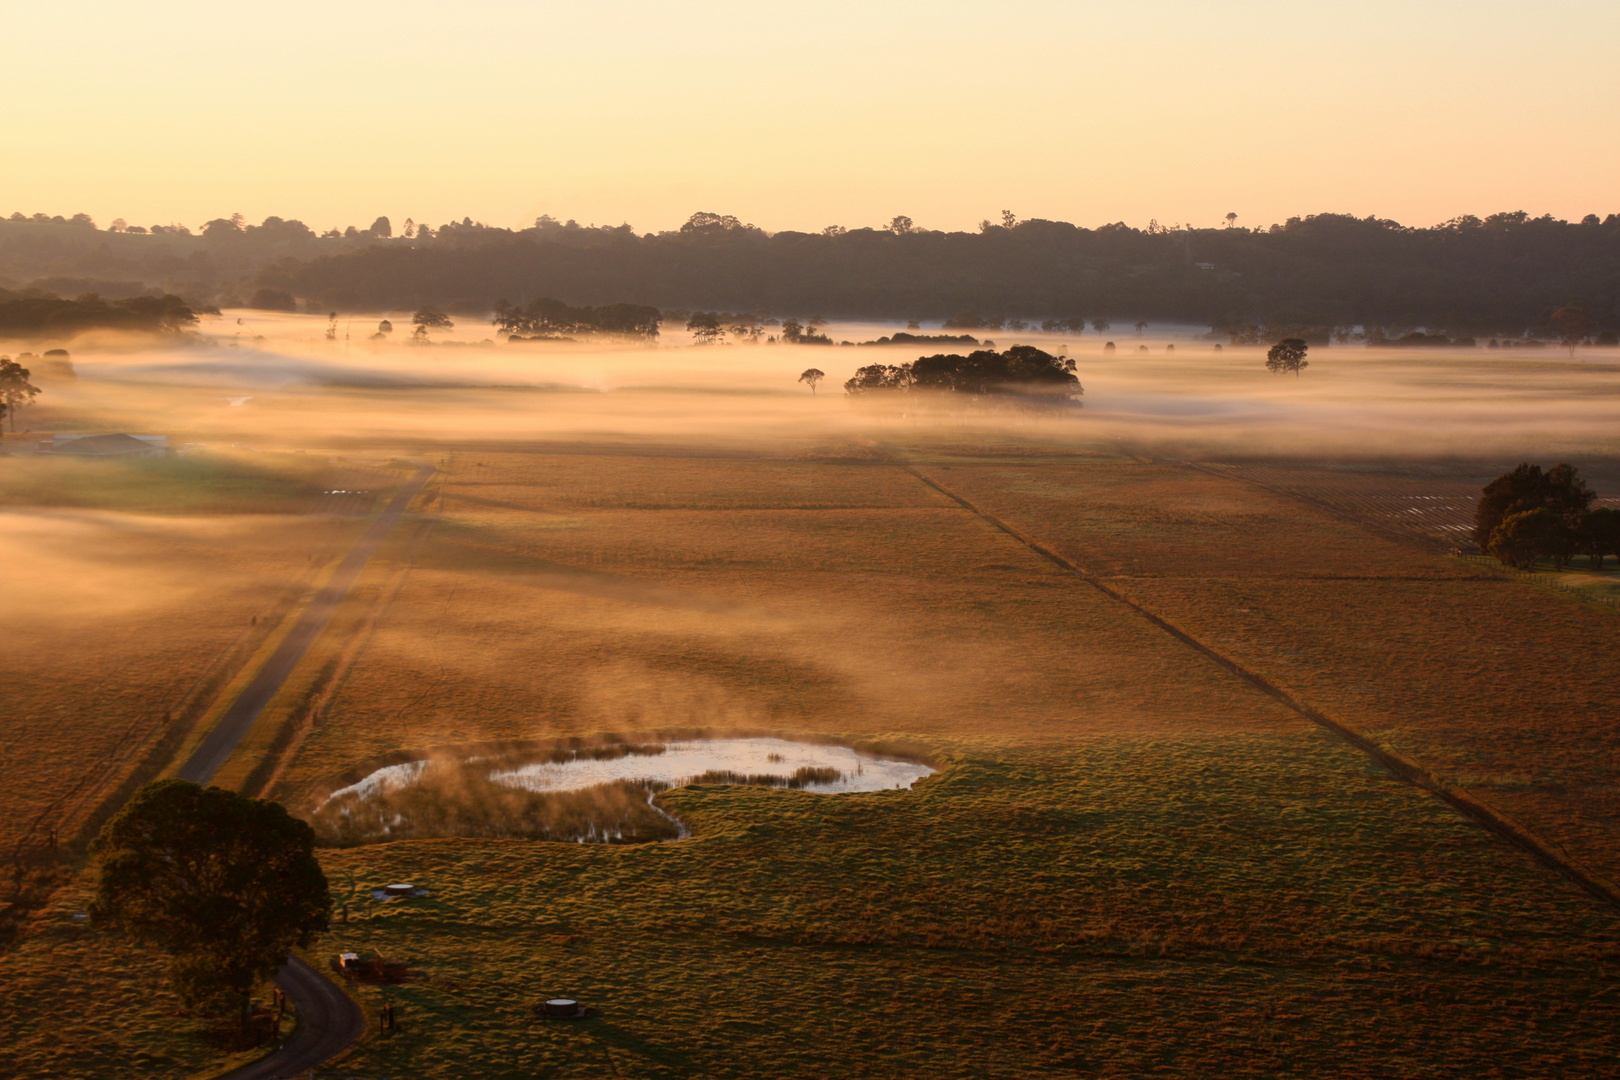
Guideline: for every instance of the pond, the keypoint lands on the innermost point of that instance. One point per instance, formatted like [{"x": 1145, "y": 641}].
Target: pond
[{"x": 596, "y": 794}]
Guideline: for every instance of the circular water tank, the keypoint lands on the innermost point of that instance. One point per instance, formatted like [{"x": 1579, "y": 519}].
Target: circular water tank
[
  {"x": 564, "y": 1007},
  {"x": 403, "y": 889}
]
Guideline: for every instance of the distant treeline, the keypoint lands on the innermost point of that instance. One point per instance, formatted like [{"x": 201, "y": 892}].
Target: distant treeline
[
  {"x": 1501, "y": 276},
  {"x": 23, "y": 315}
]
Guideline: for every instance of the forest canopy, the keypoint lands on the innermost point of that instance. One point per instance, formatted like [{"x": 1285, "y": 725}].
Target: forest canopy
[
  {"x": 1504, "y": 275},
  {"x": 32, "y": 316}
]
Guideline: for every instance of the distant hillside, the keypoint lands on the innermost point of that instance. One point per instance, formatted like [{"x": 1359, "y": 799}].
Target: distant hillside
[{"x": 1503, "y": 275}]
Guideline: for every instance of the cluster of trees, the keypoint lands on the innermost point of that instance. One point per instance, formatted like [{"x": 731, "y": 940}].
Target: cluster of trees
[
  {"x": 1022, "y": 369},
  {"x": 547, "y": 318},
  {"x": 224, "y": 884},
  {"x": 1528, "y": 515},
  {"x": 1508, "y": 275},
  {"x": 904, "y": 338},
  {"x": 28, "y": 315}
]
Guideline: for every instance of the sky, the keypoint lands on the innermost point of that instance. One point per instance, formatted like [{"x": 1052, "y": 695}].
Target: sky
[{"x": 798, "y": 115}]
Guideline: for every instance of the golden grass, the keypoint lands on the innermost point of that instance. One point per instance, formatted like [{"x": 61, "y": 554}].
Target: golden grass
[{"x": 1130, "y": 863}]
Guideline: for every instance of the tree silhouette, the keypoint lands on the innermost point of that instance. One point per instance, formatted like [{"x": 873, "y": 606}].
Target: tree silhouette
[
  {"x": 1560, "y": 491},
  {"x": 812, "y": 376},
  {"x": 1524, "y": 538},
  {"x": 1599, "y": 535},
  {"x": 1288, "y": 355},
  {"x": 1572, "y": 325},
  {"x": 225, "y": 884},
  {"x": 1231, "y": 219},
  {"x": 1100, "y": 324},
  {"x": 427, "y": 319},
  {"x": 901, "y": 225},
  {"x": 705, "y": 327},
  {"x": 381, "y": 228},
  {"x": 15, "y": 389},
  {"x": 1141, "y": 325}
]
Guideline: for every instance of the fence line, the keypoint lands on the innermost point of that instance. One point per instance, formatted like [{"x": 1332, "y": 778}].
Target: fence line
[{"x": 1539, "y": 578}]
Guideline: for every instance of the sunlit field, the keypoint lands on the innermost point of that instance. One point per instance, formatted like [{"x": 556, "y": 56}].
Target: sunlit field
[{"x": 1130, "y": 859}]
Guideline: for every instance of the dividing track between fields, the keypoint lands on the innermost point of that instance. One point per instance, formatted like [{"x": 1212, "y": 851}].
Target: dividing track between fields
[{"x": 1481, "y": 814}]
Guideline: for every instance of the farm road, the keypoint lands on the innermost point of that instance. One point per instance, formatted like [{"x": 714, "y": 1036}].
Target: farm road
[
  {"x": 220, "y": 742},
  {"x": 328, "y": 1021}
]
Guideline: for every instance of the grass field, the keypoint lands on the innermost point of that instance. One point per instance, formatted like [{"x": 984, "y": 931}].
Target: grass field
[{"x": 1131, "y": 861}]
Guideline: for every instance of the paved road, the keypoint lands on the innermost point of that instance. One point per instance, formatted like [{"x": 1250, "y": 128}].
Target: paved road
[{"x": 328, "y": 1021}]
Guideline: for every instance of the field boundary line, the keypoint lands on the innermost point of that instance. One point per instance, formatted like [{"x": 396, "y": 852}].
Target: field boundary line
[{"x": 1469, "y": 806}]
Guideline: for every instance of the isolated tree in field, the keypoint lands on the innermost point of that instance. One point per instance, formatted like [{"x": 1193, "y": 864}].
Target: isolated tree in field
[
  {"x": 1572, "y": 325},
  {"x": 1141, "y": 325},
  {"x": 15, "y": 389},
  {"x": 225, "y": 884},
  {"x": 812, "y": 376},
  {"x": 1100, "y": 324},
  {"x": 385, "y": 327},
  {"x": 1288, "y": 355},
  {"x": 429, "y": 319}
]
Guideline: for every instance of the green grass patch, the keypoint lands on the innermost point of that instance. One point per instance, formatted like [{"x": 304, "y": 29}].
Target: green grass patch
[{"x": 192, "y": 484}]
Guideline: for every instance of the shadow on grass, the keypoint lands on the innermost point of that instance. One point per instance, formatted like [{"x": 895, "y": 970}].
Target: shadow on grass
[{"x": 615, "y": 1037}]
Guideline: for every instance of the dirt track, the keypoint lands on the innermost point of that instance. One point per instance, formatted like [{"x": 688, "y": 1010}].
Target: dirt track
[{"x": 328, "y": 1021}]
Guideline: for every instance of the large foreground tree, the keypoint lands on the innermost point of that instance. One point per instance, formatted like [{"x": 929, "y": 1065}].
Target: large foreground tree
[{"x": 225, "y": 884}]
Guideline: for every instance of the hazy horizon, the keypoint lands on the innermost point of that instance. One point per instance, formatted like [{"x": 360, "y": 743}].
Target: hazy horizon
[{"x": 809, "y": 115}]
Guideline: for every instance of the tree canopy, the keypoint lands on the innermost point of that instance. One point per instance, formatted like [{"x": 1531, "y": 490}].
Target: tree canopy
[
  {"x": 1503, "y": 275},
  {"x": 545, "y": 317},
  {"x": 1022, "y": 369},
  {"x": 15, "y": 389},
  {"x": 225, "y": 884},
  {"x": 1527, "y": 514},
  {"x": 1288, "y": 355},
  {"x": 41, "y": 316}
]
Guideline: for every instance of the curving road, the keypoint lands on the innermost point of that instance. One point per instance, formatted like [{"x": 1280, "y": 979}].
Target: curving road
[{"x": 328, "y": 1021}]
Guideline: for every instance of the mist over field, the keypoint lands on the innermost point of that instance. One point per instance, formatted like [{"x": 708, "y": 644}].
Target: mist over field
[{"x": 273, "y": 381}]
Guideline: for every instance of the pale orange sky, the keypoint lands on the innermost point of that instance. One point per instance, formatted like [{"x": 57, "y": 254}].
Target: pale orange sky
[{"x": 800, "y": 115}]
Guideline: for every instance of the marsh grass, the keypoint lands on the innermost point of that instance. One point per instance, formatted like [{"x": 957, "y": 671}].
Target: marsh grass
[
  {"x": 805, "y": 777},
  {"x": 460, "y": 799}
]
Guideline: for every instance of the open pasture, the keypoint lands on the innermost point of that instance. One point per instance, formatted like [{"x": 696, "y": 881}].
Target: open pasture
[
  {"x": 1499, "y": 689},
  {"x": 1118, "y": 819},
  {"x": 1130, "y": 861}
]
